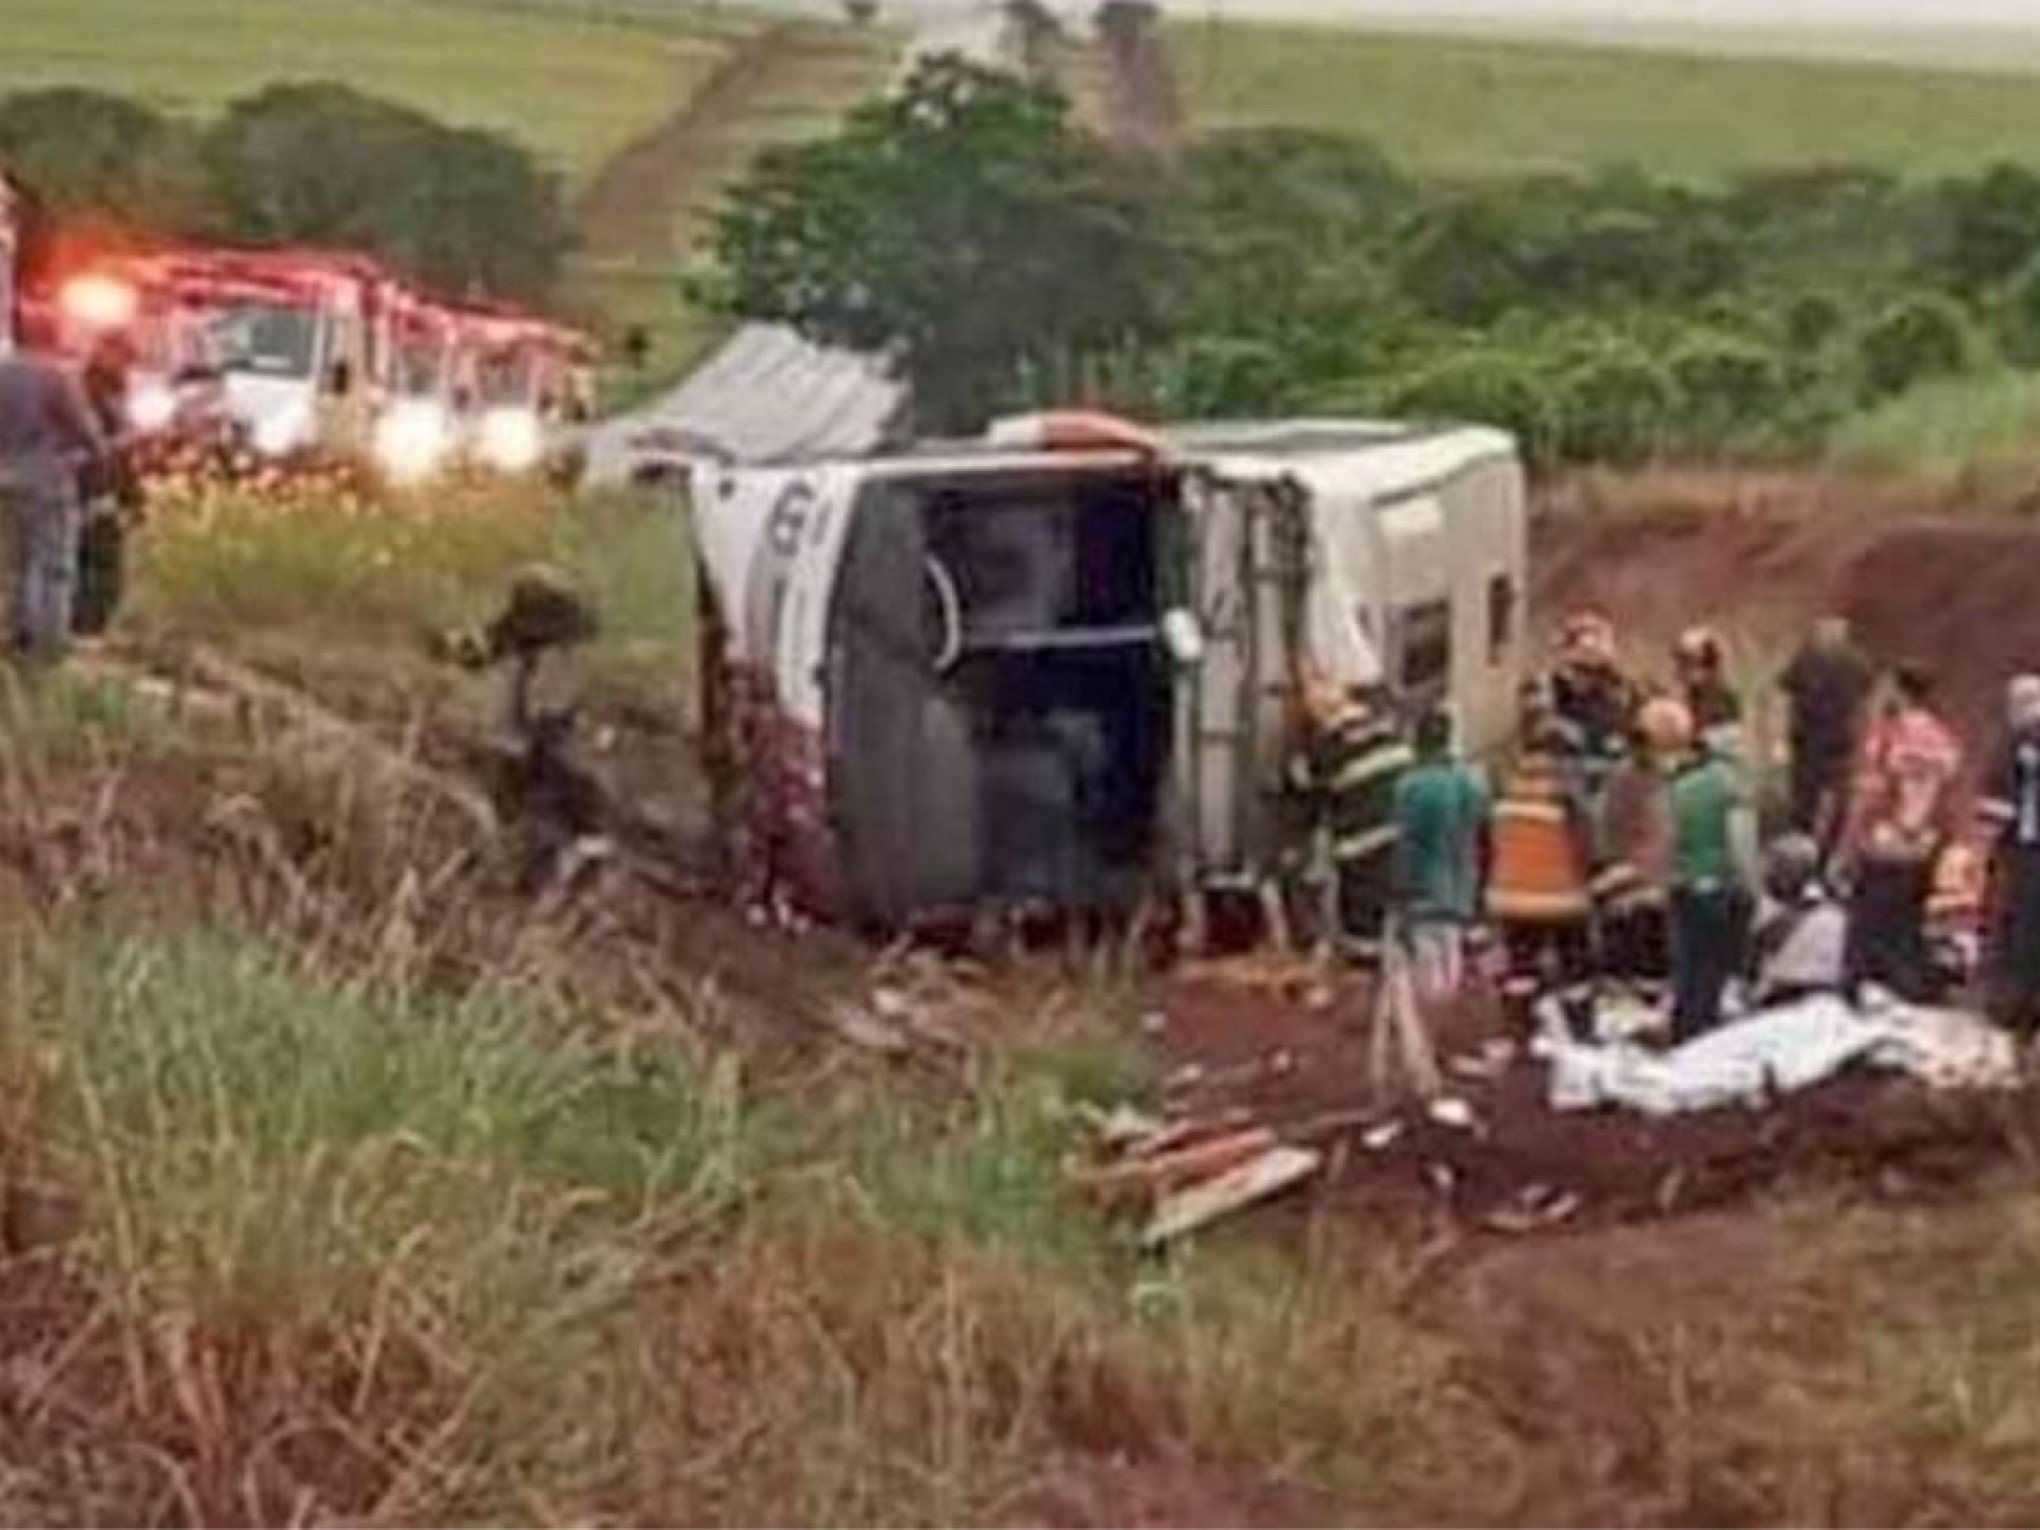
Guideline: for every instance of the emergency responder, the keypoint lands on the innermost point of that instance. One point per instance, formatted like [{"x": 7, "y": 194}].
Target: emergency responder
[
  {"x": 1442, "y": 849},
  {"x": 1591, "y": 695},
  {"x": 1827, "y": 686},
  {"x": 1701, "y": 661},
  {"x": 48, "y": 437},
  {"x": 1537, "y": 892},
  {"x": 1635, "y": 845},
  {"x": 1352, "y": 754},
  {"x": 553, "y": 804},
  {"x": 1714, "y": 879},
  {"x": 2010, "y": 809},
  {"x": 111, "y": 496},
  {"x": 1900, "y": 822}
]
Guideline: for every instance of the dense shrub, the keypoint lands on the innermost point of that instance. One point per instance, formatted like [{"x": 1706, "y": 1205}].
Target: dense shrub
[
  {"x": 1918, "y": 337},
  {"x": 1729, "y": 388},
  {"x": 1487, "y": 385},
  {"x": 1618, "y": 406}
]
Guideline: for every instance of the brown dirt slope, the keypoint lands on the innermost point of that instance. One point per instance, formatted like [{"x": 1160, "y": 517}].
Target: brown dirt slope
[{"x": 1759, "y": 556}]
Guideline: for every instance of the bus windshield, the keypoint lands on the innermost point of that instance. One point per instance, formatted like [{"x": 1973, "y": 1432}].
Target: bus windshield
[{"x": 269, "y": 339}]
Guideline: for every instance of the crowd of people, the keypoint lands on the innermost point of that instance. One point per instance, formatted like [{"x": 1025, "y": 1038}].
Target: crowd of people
[{"x": 1630, "y": 837}]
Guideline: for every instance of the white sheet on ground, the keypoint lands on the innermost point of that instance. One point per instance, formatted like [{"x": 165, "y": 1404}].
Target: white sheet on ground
[{"x": 1777, "y": 1051}]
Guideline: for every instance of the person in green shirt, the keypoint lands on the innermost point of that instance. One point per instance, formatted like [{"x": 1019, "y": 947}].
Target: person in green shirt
[
  {"x": 1441, "y": 847},
  {"x": 1713, "y": 876}
]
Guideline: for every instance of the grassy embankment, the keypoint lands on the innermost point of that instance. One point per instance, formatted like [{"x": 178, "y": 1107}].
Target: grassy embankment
[{"x": 396, "y": 1200}]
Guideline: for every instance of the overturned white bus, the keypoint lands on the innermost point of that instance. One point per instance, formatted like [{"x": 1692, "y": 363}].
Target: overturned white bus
[{"x": 1054, "y": 667}]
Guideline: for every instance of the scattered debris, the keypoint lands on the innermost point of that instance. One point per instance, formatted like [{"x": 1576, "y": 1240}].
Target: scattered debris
[
  {"x": 1450, "y": 1110},
  {"x": 1246, "y": 1184},
  {"x": 1779, "y": 1051},
  {"x": 1163, "y": 1173},
  {"x": 1534, "y": 1207},
  {"x": 1381, "y": 1138}
]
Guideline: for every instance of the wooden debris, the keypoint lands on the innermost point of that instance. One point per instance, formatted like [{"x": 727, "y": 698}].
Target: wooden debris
[
  {"x": 1170, "y": 1171},
  {"x": 1247, "y": 1184}
]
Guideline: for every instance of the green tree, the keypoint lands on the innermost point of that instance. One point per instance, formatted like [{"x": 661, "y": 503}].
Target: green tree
[
  {"x": 1481, "y": 385},
  {"x": 103, "y": 159},
  {"x": 1616, "y": 406},
  {"x": 1730, "y": 388},
  {"x": 963, "y": 227},
  {"x": 1987, "y": 227},
  {"x": 325, "y": 164},
  {"x": 1926, "y": 335}
]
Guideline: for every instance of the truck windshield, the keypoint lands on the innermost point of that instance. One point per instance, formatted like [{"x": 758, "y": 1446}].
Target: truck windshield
[
  {"x": 506, "y": 378},
  {"x": 268, "y": 339},
  {"x": 420, "y": 368}
]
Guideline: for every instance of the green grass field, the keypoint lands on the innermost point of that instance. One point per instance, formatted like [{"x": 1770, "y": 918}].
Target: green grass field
[
  {"x": 575, "y": 83},
  {"x": 1467, "y": 106}
]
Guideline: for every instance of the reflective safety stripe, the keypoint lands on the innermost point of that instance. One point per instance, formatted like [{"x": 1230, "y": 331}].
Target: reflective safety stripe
[
  {"x": 1516, "y": 810},
  {"x": 1357, "y": 847},
  {"x": 1536, "y": 907},
  {"x": 1372, "y": 767}
]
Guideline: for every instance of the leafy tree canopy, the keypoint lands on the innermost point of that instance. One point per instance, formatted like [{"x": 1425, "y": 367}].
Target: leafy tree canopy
[{"x": 962, "y": 226}]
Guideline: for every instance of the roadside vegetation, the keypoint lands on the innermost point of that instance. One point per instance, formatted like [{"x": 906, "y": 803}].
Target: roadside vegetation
[{"x": 1607, "y": 316}]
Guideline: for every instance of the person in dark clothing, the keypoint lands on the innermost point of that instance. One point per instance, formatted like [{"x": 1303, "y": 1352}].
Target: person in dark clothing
[
  {"x": 553, "y": 805},
  {"x": 1827, "y": 687},
  {"x": 1899, "y": 826},
  {"x": 1591, "y": 695},
  {"x": 1716, "y": 710},
  {"x": 1351, "y": 758},
  {"x": 48, "y": 437},
  {"x": 111, "y": 495},
  {"x": 2010, "y": 809}
]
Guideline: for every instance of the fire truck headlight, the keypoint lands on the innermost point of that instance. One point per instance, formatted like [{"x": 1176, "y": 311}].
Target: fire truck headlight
[
  {"x": 151, "y": 406},
  {"x": 99, "y": 302},
  {"x": 512, "y": 441},
  {"x": 411, "y": 440},
  {"x": 277, "y": 435}
]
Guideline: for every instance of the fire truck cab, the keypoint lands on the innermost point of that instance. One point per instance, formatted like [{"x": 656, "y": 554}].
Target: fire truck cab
[
  {"x": 1054, "y": 666},
  {"x": 524, "y": 387},
  {"x": 302, "y": 341}
]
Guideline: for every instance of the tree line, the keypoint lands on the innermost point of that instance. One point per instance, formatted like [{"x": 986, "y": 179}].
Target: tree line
[
  {"x": 969, "y": 228},
  {"x": 319, "y": 163}
]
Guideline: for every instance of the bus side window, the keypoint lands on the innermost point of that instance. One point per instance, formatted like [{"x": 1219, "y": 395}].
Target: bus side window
[
  {"x": 1424, "y": 638},
  {"x": 1501, "y": 617}
]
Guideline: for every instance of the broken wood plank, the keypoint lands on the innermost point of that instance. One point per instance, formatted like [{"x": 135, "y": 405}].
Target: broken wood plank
[
  {"x": 1169, "y": 1171},
  {"x": 1247, "y": 1184}
]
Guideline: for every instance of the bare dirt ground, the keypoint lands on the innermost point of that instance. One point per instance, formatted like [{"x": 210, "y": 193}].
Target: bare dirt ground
[
  {"x": 1294, "y": 1057},
  {"x": 1921, "y": 574}
]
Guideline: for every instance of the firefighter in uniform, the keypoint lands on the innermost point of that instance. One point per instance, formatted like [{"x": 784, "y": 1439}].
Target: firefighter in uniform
[
  {"x": 1541, "y": 862},
  {"x": 555, "y": 807},
  {"x": 1592, "y": 697},
  {"x": 1350, "y": 757}
]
